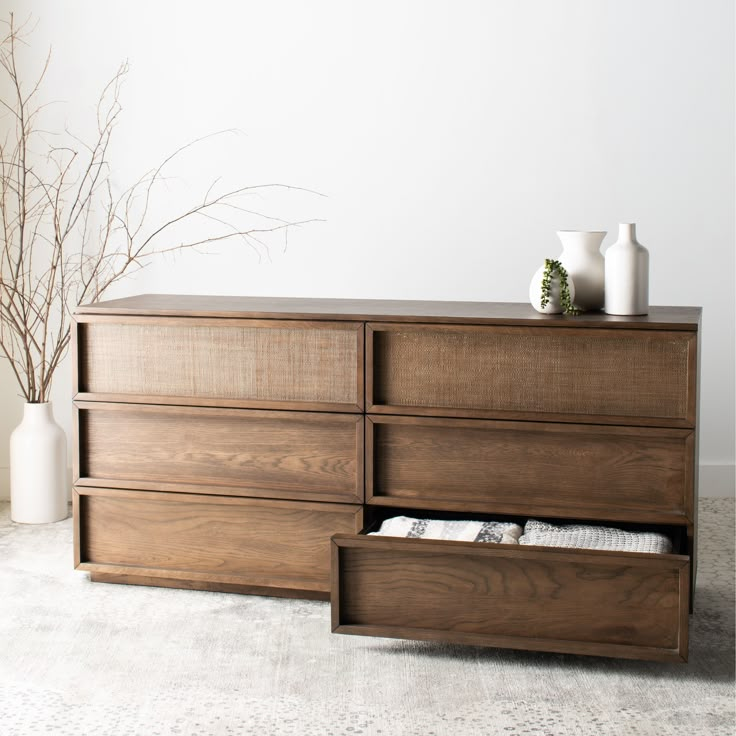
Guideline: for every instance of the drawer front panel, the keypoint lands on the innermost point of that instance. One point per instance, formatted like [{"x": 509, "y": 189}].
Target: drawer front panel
[
  {"x": 276, "y": 454},
  {"x": 645, "y": 376},
  {"x": 597, "y": 472},
  {"x": 280, "y": 544},
  {"x": 240, "y": 362},
  {"x": 611, "y": 604}
]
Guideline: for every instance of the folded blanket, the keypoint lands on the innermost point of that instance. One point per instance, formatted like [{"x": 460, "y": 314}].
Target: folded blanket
[
  {"x": 463, "y": 531},
  {"x": 582, "y": 536}
]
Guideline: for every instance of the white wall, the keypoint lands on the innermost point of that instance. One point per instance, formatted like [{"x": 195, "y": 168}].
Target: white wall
[{"x": 452, "y": 137}]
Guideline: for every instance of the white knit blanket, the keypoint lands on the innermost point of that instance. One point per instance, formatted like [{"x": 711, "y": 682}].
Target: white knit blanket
[
  {"x": 500, "y": 532},
  {"x": 583, "y": 536}
]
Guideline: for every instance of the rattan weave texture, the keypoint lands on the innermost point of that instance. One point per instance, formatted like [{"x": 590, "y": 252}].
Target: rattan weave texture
[
  {"x": 489, "y": 369},
  {"x": 228, "y": 362}
]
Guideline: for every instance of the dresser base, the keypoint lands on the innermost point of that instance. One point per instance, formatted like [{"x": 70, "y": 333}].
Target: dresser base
[{"x": 103, "y": 577}]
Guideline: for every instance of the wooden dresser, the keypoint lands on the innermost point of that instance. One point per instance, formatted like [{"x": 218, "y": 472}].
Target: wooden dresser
[{"x": 222, "y": 442}]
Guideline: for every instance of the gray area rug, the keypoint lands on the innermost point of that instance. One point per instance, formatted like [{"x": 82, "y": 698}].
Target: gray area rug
[{"x": 82, "y": 658}]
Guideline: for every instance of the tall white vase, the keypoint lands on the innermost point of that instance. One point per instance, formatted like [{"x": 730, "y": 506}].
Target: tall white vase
[
  {"x": 582, "y": 258},
  {"x": 627, "y": 274},
  {"x": 38, "y": 492}
]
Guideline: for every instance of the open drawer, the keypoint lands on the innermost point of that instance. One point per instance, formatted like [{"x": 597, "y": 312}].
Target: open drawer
[{"x": 617, "y": 604}]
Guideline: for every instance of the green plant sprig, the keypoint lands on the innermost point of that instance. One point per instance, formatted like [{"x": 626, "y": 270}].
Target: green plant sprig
[{"x": 552, "y": 267}]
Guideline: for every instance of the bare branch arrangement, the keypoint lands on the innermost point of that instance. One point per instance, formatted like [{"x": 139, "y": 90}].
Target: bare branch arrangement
[{"x": 67, "y": 237}]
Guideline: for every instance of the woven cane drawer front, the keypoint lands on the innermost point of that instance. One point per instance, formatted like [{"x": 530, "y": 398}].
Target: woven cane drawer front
[
  {"x": 616, "y": 375},
  {"x": 237, "y": 362},
  {"x": 235, "y": 452}
]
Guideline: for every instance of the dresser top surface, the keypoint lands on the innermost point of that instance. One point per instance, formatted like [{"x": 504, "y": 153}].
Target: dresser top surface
[{"x": 261, "y": 307}]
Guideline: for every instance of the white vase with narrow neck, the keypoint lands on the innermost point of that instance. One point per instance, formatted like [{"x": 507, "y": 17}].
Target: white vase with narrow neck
[
  {"x": 627, "y": 274},
  {"x": 38, "y": 484},
  {"x": 582, "y": 258}
]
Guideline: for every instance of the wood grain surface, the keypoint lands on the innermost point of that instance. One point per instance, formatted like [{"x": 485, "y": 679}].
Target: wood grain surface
[
  {"x": 594, "y": 472},
  {"x": 298, "y": 455},
  {"x": 500, "y": 595},
  {"x": 266, "y": 544},
  {"x": 257, "y": 307}
]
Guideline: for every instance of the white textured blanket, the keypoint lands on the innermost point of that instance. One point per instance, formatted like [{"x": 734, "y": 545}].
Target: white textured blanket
[
  {"x": 500, "y": 532},
  {"x": 583, "y": 536}
]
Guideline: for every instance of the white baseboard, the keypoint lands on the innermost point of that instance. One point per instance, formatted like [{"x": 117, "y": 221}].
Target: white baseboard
[{"x": 715, "y": 481}]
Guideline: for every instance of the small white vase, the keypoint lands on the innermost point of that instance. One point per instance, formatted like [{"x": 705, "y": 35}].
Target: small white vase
[
  {"x": 38, "y": 492},
  {"x": 554, "y": 305},
  {"x": 582, "y": 258},
  {"x": 627, "y": 274}
]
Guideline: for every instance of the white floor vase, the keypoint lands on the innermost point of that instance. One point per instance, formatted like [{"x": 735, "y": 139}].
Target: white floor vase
[{"x": 38, "y": 493}]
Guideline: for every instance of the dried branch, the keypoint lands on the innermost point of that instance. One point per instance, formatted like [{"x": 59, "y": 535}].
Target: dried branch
[{"x": 67, "y": 236}]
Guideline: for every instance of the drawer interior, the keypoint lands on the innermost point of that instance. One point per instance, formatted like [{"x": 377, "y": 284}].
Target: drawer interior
[{"x": 374, "y": 516}]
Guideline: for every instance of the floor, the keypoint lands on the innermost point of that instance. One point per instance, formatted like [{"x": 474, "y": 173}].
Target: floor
[{"x": 82, "y": 658}]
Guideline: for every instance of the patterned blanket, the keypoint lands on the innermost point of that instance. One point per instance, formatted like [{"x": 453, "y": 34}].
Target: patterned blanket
[
  {"x": 542, "y": 533},
  {"x": 583, "y": 536},
  {"x": 500, "y": 532}
]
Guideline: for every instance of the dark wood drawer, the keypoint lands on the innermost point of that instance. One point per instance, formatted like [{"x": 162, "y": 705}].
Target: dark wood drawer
[
  {"x": 617, "y": 604},
  {"x": 236, "y": 452},
  {"x": 530, "y": 468},
  {"x": 556, "y": 374},
  {"x": 220, "y": 543},
  {"x": 221, "y": 362}
]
